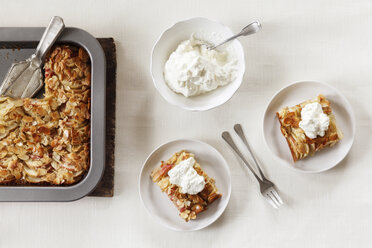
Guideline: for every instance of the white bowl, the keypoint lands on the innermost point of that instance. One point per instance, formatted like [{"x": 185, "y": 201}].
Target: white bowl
[
  {"x": 204, "y": 29},
  {"x": 294, "y": 94}
]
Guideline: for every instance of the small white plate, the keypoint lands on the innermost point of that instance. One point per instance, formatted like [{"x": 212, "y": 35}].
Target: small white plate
[
  {"x": 204, "y": 29},
  {"x": 158, "y": 204},
  {"x": 294, "y": 94}
]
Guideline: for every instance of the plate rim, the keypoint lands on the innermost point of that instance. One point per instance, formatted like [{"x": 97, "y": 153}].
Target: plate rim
[
  {"x": 350, "y": 111},
  {"x": 227, "y": 196}
]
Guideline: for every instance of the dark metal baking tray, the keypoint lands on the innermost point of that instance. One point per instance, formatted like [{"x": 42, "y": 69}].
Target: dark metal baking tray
[{"x": 18, "y": 44}]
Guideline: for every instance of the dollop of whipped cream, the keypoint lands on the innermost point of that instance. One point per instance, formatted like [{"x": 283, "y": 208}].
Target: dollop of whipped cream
[
  {"x": 192, "y": 69},
  {"x": 185, "y": 176},
  {"x": 313, "y": 121}
]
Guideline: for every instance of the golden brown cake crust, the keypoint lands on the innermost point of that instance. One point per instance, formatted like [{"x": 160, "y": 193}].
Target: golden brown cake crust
[
  {"x": 284, "y": 132},
  {"x": 300, "y": 145},
  {"x": 188, "y": 205},
  {"x": 46, "y": 141}
]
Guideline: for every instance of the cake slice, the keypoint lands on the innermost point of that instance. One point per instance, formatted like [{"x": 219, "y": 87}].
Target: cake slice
[
  {"x": 300, "y": 144},
  {"x": 189, "y": 205}
]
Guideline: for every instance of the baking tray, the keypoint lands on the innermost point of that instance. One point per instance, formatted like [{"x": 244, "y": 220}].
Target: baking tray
[{"x": 18, "y": 44}]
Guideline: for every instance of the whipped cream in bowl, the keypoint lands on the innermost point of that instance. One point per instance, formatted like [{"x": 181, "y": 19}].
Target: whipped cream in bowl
[
  {"x": 189, "y": 75},
  {"x": 193, "y": 69}
]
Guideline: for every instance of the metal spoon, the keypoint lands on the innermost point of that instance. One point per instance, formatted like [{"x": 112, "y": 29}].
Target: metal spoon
[{"x": 252, "y": 28}]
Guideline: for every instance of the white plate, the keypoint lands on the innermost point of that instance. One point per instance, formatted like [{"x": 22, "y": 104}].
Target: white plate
[
  {"x": 204, "y": 29},
  {"x": 158, "y": 204},
  {"x": 294, "y": 94}
]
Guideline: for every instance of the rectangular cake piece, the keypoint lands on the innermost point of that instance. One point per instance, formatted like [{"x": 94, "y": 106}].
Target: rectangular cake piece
[
  {"x": 189, "y": 205},
  {"x": 300, "y": 144}
]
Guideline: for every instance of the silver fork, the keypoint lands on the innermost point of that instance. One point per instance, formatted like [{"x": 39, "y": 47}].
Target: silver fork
[{"x": 266, "y": 186}]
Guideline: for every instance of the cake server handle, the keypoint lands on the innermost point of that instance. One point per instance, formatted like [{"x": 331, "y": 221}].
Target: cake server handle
[{"x": 51, "y": 33}]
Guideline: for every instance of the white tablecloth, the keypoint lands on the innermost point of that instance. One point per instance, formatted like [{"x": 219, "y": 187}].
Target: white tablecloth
[{"x": 328, "y": 41}]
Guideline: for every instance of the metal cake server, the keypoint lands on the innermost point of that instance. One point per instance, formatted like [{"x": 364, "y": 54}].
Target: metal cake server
[{"x": 25, "y": 79}]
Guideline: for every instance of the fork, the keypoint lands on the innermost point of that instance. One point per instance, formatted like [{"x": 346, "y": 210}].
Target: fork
[{"x": 267, "y": 188}]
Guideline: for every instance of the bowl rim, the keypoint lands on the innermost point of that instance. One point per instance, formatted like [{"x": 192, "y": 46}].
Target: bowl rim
[
  {"x": 350, "y": 110},
  {"x": 176, "y": 103}
]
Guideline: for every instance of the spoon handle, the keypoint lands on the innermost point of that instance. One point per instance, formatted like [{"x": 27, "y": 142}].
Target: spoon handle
[
  {"x": 251, "y": 28},
  {"x": 227, "y": 40}
]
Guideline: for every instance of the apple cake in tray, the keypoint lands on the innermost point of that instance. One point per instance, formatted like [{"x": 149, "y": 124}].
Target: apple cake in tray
[
  {"x": 303, "y": 143},
  {"x": 46, "y": 141}
]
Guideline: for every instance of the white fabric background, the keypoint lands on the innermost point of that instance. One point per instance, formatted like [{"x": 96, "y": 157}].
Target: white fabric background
[{"x": 328, "y": 41}]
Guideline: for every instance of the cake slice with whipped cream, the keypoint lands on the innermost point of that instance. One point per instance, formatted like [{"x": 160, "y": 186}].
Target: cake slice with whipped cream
[
  {"x": 189, "y": 188},
  {"x": 309, "y": 127}
]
